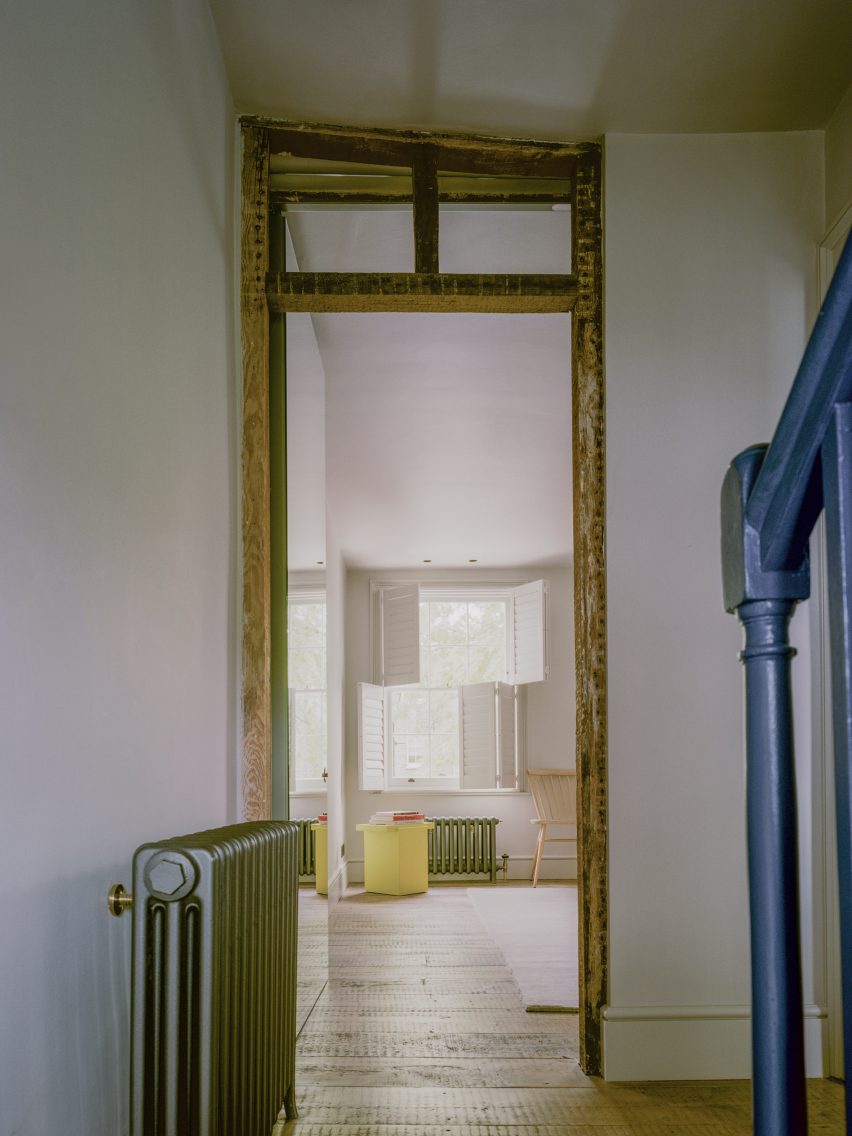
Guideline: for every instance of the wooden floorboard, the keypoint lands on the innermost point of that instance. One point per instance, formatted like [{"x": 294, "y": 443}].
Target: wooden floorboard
[
  {"x": 420, "y": 1030},
  {"x": 446, "y": 1072}
]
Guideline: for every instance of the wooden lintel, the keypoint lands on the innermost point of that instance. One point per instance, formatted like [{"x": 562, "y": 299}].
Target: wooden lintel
[
  {"x": 419, "y": 292},
  {"x": 455, "y": 152},
  {"x": 424, "y": 177},
  {"x": 354, "y": 189},
  {"x": 391, "y": 198}
]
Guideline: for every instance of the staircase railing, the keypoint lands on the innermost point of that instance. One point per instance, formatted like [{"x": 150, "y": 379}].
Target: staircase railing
[{"x": 771, "y": 499}]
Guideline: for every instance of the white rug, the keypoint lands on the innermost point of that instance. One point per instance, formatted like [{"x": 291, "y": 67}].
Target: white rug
[{"x": 536, "y": 929}]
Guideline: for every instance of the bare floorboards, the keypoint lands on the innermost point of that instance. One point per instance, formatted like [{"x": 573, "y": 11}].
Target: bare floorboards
[{"x": 420, "y": 1030}]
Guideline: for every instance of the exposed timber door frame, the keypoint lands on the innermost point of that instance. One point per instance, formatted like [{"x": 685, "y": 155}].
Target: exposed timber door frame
[{"x": 573, "y": 169}]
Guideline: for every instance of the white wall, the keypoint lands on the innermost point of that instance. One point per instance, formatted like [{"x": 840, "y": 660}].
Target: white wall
[
  {"x": 306, "y": 513},
  {"x": 117, "y": 506},
  {"x": 550, "y": 727},
  {"x": 336, "y": 625},
  {"x": 710, "y": 278}
]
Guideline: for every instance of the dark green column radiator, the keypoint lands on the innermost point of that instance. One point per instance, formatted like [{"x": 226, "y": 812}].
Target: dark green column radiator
[
  {"x": 307, "y": 849},
  {"x": 213, "y": 1008},
  {"x": 463, "y": 846}
]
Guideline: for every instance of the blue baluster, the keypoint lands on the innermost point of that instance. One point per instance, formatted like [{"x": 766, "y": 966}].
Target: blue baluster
[
  {"x": 837, "y": 491},
  {"x": 764, "y": 602}
]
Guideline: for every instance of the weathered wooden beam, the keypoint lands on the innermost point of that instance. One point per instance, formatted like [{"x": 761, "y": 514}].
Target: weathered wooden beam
[
  {"x": 279, "y": 708},
  {"x": 395, "y": 189},
  {"x": 424, "y": 177},
  {"x": 254, "y": 333},
  {"x": 419, "y": 292},
  {"x": 455, "y": 152},
  {"x": 346, "y": 198},
  {"x": 588, "y": 452}
]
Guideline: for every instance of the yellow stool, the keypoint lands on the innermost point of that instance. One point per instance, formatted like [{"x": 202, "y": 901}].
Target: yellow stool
[
  {"x": 396, "y": 858},
  {"x": 321, "y": 857}
]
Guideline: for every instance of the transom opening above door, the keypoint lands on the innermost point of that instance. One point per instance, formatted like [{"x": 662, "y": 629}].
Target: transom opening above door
[{"x": 382, "y": 173}]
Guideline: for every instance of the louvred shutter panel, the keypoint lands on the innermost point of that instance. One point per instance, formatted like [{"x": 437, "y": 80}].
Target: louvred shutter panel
[
  {"x": 371, "y": 736},
  {"x": 479, "y": 736},
  {"x": 530, "y": 662},
  {"x": 506, "y": 719},
  {"x": 400, "y": 635}
]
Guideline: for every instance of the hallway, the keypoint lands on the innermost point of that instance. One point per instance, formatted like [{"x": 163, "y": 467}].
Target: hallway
[{"x": 421, "y": 1031}]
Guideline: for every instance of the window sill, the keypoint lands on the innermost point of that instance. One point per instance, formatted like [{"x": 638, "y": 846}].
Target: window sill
[
  {"x": 308, "y": 793},
  {"x": 432, "y": 792}
]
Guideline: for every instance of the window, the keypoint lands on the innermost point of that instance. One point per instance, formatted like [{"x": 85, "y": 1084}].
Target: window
[
  {"x": 462, "y": 641},
  {"x": 306, "y": 661},
  {"x": 446, "y": 713}
]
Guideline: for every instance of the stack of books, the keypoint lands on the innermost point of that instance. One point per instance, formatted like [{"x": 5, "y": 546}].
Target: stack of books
[{"x": 398, "y": 816}]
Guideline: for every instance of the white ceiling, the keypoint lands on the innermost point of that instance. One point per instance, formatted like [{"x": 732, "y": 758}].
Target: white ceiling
[
  {"x": 448, "y": 437},
  {"x": 541, "y": 68}
]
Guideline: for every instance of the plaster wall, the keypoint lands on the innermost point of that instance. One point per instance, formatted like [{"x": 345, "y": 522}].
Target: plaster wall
[
  {"x": 710, "y": 290},
  {"x": 549, "y": 725},
  {"x": 118, "y": 489},
  {"x": 336, "y": 629}
]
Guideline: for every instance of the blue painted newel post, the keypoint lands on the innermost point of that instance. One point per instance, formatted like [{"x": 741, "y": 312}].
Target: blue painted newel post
[{"x": 764, "y": 602}]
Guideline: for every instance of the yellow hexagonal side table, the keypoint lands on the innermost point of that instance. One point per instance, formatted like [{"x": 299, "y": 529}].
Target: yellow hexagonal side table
[
  {"x": 321, "y": 857},
  {"x": 396, "y": 859}
]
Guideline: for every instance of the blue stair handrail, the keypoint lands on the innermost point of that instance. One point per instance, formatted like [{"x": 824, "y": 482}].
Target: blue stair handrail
[{"x": 772, "y": 497}]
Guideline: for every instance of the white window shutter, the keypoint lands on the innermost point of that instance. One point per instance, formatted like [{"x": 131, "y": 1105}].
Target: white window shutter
[
  {"x": 371, "y": 736},
  {"x": 530, "y": 654},
  {"x": 400, "y": 635},
  {"x": 507, "y": 736},
  {"x": 479, "y": 737}
]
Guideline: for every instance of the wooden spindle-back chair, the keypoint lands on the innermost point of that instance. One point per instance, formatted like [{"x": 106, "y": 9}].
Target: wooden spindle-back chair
[{"x": 554, "y": 794}]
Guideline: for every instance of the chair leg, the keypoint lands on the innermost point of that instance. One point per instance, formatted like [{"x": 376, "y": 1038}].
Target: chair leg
[{"x": 538, "y": 850}]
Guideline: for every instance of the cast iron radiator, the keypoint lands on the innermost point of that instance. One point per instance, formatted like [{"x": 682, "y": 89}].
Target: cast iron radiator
[
  {"x": 213, "y": 1005},
  {"x": 307, "y": 849},
  {"x": 463, "y": 846}
]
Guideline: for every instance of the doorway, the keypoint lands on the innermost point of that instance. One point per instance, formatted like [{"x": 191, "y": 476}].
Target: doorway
[{"x": 429, "y": 160}]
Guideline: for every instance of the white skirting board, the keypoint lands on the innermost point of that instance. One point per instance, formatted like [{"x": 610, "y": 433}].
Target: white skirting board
[
  {"x": 520, "y": 868},
  {"x": 677, "y": 1043},
  {"x": 337, "y": 884}
]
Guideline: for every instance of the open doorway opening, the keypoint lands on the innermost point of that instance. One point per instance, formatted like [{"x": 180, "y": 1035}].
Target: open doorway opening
[{"x": 430, "y": 290}]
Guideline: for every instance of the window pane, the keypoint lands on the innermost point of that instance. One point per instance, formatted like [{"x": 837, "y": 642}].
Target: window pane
[
  {"x": 308, "y": 756},
  {"x": 410, "y": 755},
  {"x": 487, "y": 623},
  {"x": 444, "y": 707},
  {"x": 410, "y": 712},
  {"x": 307, "y": 668},
  {"x": 445, "y": 755},
  {"x": 306, "y": 625},
  {"x": 307, "y": 709},
  {"x": 487, "y": 664},
  {"x": 448, "y": 666},
  {"x": 448, "y": 622}
]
